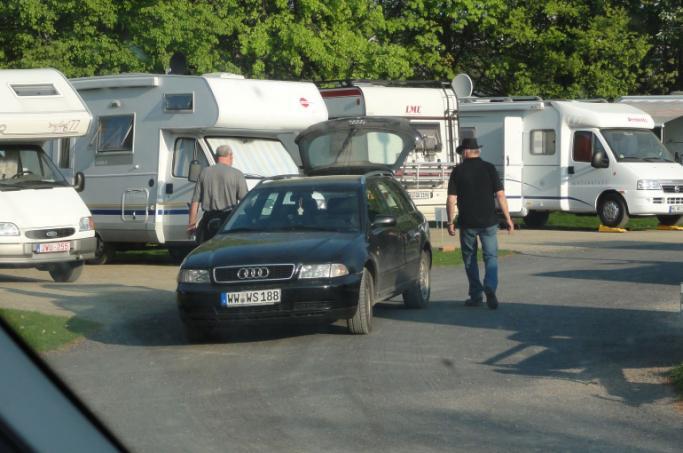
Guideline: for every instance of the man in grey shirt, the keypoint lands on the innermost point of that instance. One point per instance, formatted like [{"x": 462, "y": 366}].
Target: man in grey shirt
[{"x": 218, "y": 190}]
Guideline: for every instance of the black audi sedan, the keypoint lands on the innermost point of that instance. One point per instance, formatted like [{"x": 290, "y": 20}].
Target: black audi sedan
[{"x": 326, "y": 246}]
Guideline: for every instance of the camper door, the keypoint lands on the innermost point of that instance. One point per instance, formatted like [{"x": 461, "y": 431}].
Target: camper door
[
  {"x": 512, "y": 162},
  {"x": 586, "y": 182},
  {"x": 178, "y": 190}
]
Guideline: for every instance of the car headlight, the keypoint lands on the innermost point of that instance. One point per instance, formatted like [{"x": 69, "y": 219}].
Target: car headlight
[
  {"x": 8, "y": 229},
  {"x": 86, "y": 224},
  {"x": 329, "y": 270},
  {"x": 194, "y": 276},
  {"x": 649, "y": 184}
]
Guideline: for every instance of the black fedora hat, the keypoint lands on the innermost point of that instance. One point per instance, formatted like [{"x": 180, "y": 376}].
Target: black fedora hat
[{"x": 468, "y": 143}]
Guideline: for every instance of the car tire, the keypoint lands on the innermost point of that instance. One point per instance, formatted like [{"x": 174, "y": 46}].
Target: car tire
[
  {"x": 669, "y": 220},
  {"x": 104, "y": 253},
  {"x": 417, "y": 296},
  {"x": 361, "y": 323},
  {"x": 536, "y": 219},
  {"x": 612, "y": 211},
  {"x": 66, "y": 272}
]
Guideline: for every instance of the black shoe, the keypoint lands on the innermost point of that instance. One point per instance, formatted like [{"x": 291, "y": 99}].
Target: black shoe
[
  {"x": 473, "y": 302},
  {"x": 491, "y": 299}
]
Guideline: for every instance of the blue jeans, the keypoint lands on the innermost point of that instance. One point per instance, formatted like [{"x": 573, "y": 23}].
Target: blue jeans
[{"x": 489, "y": 245}]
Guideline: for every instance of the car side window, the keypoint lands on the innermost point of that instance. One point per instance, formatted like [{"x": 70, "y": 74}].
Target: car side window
[
  {"x": 404, "y": 200},
  {"x": 391, "y": 199},
  {"x": 376, "y": 206}
]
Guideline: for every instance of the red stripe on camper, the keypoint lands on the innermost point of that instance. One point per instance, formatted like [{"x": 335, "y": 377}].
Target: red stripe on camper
[{"x": 340, "y": 93}]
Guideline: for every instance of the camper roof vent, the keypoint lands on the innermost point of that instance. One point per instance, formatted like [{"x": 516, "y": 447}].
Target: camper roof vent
[
  {"x": 35, "y": 89},
  {"x": 224, "y": 75}
]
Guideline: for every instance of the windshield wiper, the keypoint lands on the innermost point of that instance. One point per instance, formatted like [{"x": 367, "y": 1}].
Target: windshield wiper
[
  {"x": 656, "y": 159},
  {"x": 10, "y": 186},
  {"x": 239, "y": 230},
  {"x": 254, "y": 176}
]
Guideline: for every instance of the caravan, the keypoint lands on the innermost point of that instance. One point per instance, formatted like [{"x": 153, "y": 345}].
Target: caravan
[
  {"x": 147, "y": 130},
  {"x": 431, "y": 108},
  {"x": 580, "y": 157},
  {"x": 43, "y": 222}
]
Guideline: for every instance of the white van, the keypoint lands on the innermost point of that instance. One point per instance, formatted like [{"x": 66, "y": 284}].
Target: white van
[
  {"x": 147, "y": 129},
  {"x": 580, "y": 157},
  {"x": 43, "y": 221},
  {"x": 431, "y": 109}
]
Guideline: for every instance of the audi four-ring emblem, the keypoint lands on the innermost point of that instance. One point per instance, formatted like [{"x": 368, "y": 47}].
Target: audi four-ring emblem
[{"x": 251, "y": 273}]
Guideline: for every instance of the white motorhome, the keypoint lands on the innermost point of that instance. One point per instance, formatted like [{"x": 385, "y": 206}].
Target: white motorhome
[
  {"x": 147, "y": 129},
  {"x": 667, "y": 113},
  {"x": 43, "y": 221},
  {"x": 431, "y": 108},
  {"x": 580, "y": 157}
]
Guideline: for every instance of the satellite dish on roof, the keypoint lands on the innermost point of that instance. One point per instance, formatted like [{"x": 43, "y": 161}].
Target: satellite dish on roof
[{"x": 462, "y": 86}]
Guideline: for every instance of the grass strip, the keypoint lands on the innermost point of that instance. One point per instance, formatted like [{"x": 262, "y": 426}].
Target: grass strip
[
  {"x": 567, "y": 221},
  {"x": 454, "y": 258},
  {"x": 46, "y": 332},
  {"x": 677, "y": 378}
]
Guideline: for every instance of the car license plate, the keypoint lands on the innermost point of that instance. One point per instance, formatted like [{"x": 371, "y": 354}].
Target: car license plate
[
  {"x": 243, "y": 298},
  {"x": 677, "y": 209},
  {"x": 420, "y": 195},
  {"x": 51, "y": 247}
]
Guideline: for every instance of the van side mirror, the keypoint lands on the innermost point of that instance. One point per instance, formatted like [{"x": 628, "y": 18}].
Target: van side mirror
[
  {"x": 79, "y": 181},
  {"x": 195, "y": 170},
  {"x": 599, "y": 159}
]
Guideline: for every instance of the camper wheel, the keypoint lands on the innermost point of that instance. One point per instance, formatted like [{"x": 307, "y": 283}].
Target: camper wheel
[
  {"x": 103, "y": 253},
  {"x": 536, "y": 219},
  {"x": 612, "y": 211},
  {"x": 66, "y": 272},
  {"x": 670, "y": 220}
]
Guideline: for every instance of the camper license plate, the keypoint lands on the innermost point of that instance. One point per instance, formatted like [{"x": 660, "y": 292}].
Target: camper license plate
[
  {"x": 52, "y": 247},
  {"x": 243, "y": 298},
  {"x": 676, "y": 209},
  {"x": 420, "y": 195}
]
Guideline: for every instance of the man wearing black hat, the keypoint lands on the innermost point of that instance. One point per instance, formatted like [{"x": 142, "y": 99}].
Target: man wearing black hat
[{"x": 473, "y": 185}]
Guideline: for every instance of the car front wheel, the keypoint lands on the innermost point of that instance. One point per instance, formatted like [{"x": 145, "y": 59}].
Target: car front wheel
[
  {"x": 66, "y": 272},
  {"x": 612, "y": 211},
  {"x": 669, "y": 220},
  {"x": 361, "y": 323},
  {"x": 417, "y": 296}
]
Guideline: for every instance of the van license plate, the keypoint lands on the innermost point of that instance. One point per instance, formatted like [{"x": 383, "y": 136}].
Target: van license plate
[
  {"x": 676, "y": 209},
  {"x": 420, "y": 195},
  {"x": 51, "y": 247},
  {"x": 244, "y": 298}
]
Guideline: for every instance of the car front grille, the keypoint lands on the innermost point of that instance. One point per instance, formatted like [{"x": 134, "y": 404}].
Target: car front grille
[
  {"x": 51, "y": 233},
  {"x": 672, "y": 187},
  {"x": 253, "y": 273}
]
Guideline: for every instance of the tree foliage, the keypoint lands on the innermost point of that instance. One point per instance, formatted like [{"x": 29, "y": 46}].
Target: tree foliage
[{"x": 552, "y": 48}]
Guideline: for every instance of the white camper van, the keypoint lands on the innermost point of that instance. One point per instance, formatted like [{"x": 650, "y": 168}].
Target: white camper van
[
  {"x": 667, "y": 113},
  {"x": 147, "y": 129},
  {"x": 43, "y": 221},
  {"x": 431, "y": 108},
  {"x": 581, "y": 157}
]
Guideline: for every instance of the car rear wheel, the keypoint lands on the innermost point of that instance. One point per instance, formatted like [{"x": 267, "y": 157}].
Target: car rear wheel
[
  {"x": 669, "y": 220},
  {"x": 361, "y": 323},
  {"x": 65, "y": 272},
  {"x": 418, "y": 294}
]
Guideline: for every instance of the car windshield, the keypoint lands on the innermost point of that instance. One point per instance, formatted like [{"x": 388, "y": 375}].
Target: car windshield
[
  {"x": 635, "y": 145},
  {"x": 297, "y": 209},
  {"x": 26, "y": 166}
]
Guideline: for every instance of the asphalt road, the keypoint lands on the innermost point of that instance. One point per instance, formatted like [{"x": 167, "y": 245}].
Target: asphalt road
[{"x": 573, "y": 360}]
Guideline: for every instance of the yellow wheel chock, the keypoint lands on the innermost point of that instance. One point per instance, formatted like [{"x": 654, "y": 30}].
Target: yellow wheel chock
[
  {"x": 606, "y": 229},
  {"x": 670, "y": 227}
]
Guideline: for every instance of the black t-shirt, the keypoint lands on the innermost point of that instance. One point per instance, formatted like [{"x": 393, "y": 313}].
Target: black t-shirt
[{"x": 475, "y": 182}]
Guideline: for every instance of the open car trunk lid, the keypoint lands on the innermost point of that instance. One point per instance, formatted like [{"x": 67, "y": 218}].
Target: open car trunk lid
[{"x": 356, "y": 145}]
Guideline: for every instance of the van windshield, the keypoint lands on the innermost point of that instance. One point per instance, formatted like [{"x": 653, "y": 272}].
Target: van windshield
[
  {"x": 632, "y": 145},
  {"x": 256, "y": 156},
  {"x": 25, "y": 166}
]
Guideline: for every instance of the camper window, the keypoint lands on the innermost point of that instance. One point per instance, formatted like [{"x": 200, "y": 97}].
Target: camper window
[
  {"x": 184, "y": 153},
  {"x": 179, "y": 103},
  {"x": 36, "y": 89},
  {"x": 583, "y": 146},
  {"x": 115, "y": 134},
  {"x": 542, "y": 142}
]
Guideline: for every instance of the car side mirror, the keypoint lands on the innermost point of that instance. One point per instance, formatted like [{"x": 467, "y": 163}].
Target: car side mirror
[
  {"x": 599, "y": 159},
  {"x": 678, "y": 157},
  {"x": 384, "y": 221},
  {"x": 79, "y": 181},
  {"x": 195, "y": 170}
]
